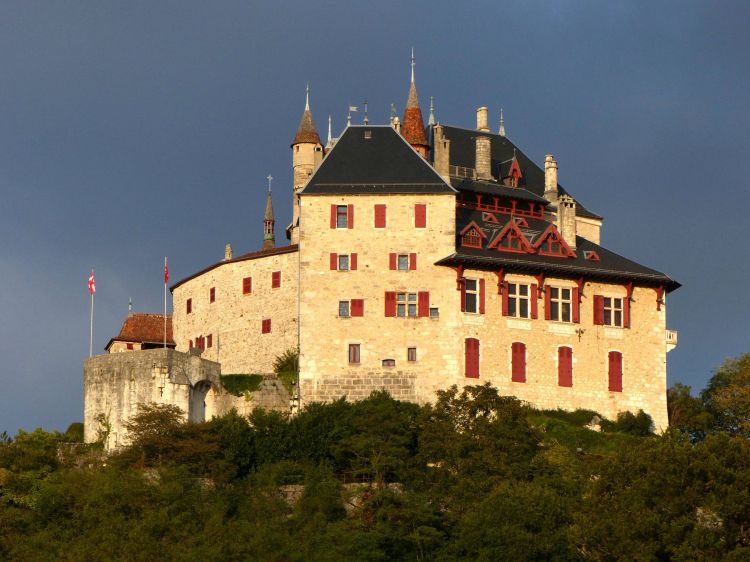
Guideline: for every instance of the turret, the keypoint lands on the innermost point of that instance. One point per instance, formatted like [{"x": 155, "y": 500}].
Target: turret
[
  {"x": 307, "y": 154},
  {"x": 269, "y": 238},
  {"x": 412, "y": 128}
]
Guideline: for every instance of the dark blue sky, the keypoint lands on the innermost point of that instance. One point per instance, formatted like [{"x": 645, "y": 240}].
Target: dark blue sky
[{"x": 134, "y": 130}]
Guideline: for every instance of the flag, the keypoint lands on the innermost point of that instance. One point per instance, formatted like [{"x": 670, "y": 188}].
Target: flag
[
  {"x": 352, "y": 108},
  {"x": 92, "y": 284},
  {"x": 166, "y": 271}
]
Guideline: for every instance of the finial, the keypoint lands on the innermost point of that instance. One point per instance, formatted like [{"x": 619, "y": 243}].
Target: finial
[
  {"x": 501, "y": 131},
  {"x": 307, "y": 97},
  {"x": 394, "y": 113},
  {"x": 352, "y": 109},
  {"x": 431, "y": 120},
  {"x": 130, "y": 305},
  {"x": 412, "y": 64},
  {"x": 366, "y": 120},
  {"x": 329, "y": 130},
  {"x": 269, "y": 177}
]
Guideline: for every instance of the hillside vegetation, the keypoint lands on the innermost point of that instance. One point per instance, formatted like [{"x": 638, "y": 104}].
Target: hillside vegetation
[{"x": 475, "y": 476}]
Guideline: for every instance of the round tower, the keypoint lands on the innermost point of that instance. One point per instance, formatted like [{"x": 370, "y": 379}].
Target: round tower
[{"x": 307, "y": 153}]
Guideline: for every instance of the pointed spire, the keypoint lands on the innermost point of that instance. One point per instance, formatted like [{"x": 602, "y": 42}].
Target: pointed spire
[
  {"x": 366, "y": 120},
  {"x": 330, "y": 137},
  {"x": 501, "y": 130},
  {"x": 412, "y": 128},
  {"x": 269, "y": 238},
  {"x": 431, "y": 120},
  {"x": 306, "y": 132}
]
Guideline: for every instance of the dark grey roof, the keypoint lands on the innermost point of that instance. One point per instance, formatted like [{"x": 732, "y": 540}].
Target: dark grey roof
[
  {"x": 492, "y": 188},
  {"x": 611, "y": 266},
  {"x": 463, "y": 153},
  {"x": 382, "y": 163}
]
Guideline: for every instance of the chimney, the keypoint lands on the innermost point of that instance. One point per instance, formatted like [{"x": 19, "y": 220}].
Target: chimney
[
  {"x": 227, "y": 252},
  {"x": 441, "y": 153},
  {"x": 550, "y": 178},
  {"x": 482, "y": 119},
  {"x": 397, "y": 124},
  {"x": 566, "y": 219}
]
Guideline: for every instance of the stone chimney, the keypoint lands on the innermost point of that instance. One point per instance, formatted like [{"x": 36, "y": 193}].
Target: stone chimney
[
  {"x": 566, "y": 219},
  {"x": 483, "y": 158},
  {"x": 550, "y": 179},
  {"x": 441, "y": 153},
  {"x": 227, "y": 252},
  {"x": 482, "y": 119}
]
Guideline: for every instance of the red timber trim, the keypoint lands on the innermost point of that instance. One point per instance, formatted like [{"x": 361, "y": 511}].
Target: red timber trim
[
  {"x": 515, "y": 171},
  {"x": 334, "y": 261},
  {"x": 511, "y": 229},
  {"x": 412, "y": 261},
  {"x": 552, "y": 232},
  {"x": 540, "y": 284},
  {"x": 518, "y": 362},
  {"x": 520, "y": 221},
  {"x": 423, "y": 306},
  {"x": 380, "y": 215},
  {"x": 350, "y": 216},
  {"x": 534, "y": 301},
  {"x": 598, "y": 310},
  {"x": 547, "y": 302},
  {"x": 505, "y": 299},
  {"x": 393, "y": 261},
  {"x": 459, "y": 276},
  {"x": 357, "y": 307},
  {"x": 420, "y": 215},
  {"x": 333, "y": 216},
  {"x": 576, "y": 295},
  {"x": 591, "y": 255},
  {"x": 466, "y": 239},
  {"x": 353, "y": 262},
  {"x": 390, "y": 303},
  {"x": 626, "y": 305},
  {"x": 481, "y": 296},
  {"x": 659, "y": 296},
  {"x": 500, "y": 278}
]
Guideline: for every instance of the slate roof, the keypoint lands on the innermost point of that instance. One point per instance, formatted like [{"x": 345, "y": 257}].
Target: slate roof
[
  {"x": 144, "y": 327},
  {"x": 306, "y": 132},
  {"x": 382, "y": 163},
  {"x": 611, "y": 266},
  {"x": 463, "y": 153},
  {"x": 491, "y": 188}
]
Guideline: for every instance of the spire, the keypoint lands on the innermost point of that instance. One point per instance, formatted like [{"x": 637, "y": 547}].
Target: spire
[
  {"x": 330, "y": 137},
  {"x": 501, "y": 131},
  {"x": 269, "y": 239},
  {"x": 306, "y": 132},
  {"x": 431, "y": 120},
  {"x": 366, "y": 121},
  {"x": 412, "y": 128}
]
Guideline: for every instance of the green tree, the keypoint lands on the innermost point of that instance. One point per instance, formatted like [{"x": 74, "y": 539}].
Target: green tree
[
  {"x": 687, "y": 413},
  {"x": 727, "y": 396}
]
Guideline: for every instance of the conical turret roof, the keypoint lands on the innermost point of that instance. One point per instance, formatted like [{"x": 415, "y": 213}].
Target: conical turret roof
[
  {"x": 306, "y": 132},
  {"x": 412, "y": 127},
  {"x": 268, "y": 216}
]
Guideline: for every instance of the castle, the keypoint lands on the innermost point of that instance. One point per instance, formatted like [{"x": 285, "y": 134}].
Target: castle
[{"x": 422, "y": 257}]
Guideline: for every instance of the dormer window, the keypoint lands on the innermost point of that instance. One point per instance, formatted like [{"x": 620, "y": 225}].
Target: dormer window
[
  {"x": 472, "y": 236},
  {"x": 511, "y": 239},
  {"x": 551, "y": 243}
]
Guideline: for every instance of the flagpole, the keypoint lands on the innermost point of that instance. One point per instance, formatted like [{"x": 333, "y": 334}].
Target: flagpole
[
  {"x": 91, "y": 322},
  {"x": 165, "y": 301}
]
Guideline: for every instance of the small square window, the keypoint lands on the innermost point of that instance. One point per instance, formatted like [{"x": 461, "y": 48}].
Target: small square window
[
  {"x": 368, "y": 134},
  {"x": 344, "y": 309},
  {"x": 354, "y": 353},
  {"x": 411, "y": 353},
  {"x": 389, "y": 362},
  {"x": 212, "y": 294},
  {"x": 403, "y": 262},
  {"x": 130, "y": 346},
  {"x": 434, "y": 312},
  {"x": 343, "y": 262}
]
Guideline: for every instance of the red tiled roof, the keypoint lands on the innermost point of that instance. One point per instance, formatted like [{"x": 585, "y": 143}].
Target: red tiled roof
[{"x": 144, "y": 327}]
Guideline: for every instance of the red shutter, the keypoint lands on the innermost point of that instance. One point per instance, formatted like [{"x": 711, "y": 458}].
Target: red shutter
[
  {"x": 615, "y": 371},
  {"x": 463, "y": 295},
  {"x": 210, "y": 340},
  {"x": 390, "y": 303},
  {"x": 412, "y": 261},
  {"x": 350, "y": 216},
  {"x": 598, "y": 310},
  {"x": 353, "y": 262},
  {"x": 518, "y": 362},
  {"x": 334, "y": 262},
  {"x": 333, "y": 216},
  {"x": 393, "y": 260},
  {"x": 189, "y": 306},
  {"x": 471, "y": 353},
  {"x": 420, "y": 215},
  {"x": 481, "y": 296},
  {"x": 547, "y": 303},
  {"x": 275, "y": 279},
  {"x": 576, "y": 305},
  {"x": 565, "y": 366},
  {"x": 424, "y": 304},
  {"x": 626, "y": 311},
  {"x": 379, "y": 216},
  {"x": 358, "y": 307},
  {"x": 505, "y": 298},
  {"x": 247, "y": 285},
  {"x": 534, "y": 297},
  {"x": 212, "y": 294}
]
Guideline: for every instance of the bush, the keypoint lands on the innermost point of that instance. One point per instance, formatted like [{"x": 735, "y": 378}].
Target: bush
[
  {"x": 639, "y": 424},
  {"x": 238, "y": 385}
]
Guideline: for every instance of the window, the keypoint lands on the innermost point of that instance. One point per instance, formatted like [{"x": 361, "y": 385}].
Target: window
[
  {"x": 518, "y": 362},
  {"x": 247, "y": 285},
  {"x": 266, "y": 326},
  {"x": 420, "y": 215},
  {"x": 380, "y": 216},
  {"x": 560, "y": 304},
  {"x": 434, "y": 312},
  {"x": 189, "y": 306},
  {"x": 615, "y": 371},
  {"x": 342, "y": 216},
  {"x": 209, "y": 340},
  {"x": 471, "y": 353},
  {"x": 354, "y": 353},
  {"x": 130, "y": 346},
  {"x": 275, "y": 279},
  {"x": 406, "y": 304},
  {"x": 565, "y": 366},
  {"x": 612, "y": 313},
  {"x": 343, "y": 262},
  {"x": 389, "y": 362},
  {"x": 403, "y": 262},
  {"x": 471, "y": 295},
  {"x": 344, "y": 309},
  {"x": 472, "y": 238},
  {"x": 518, "y": 300},
  {"x": 368, "y": 134},
  {"x": 411, "y": 353},
  {"x": 212, "y": 294}
]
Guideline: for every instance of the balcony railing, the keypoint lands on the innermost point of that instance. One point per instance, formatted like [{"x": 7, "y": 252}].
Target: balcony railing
[{"x": 671, "y": 339}]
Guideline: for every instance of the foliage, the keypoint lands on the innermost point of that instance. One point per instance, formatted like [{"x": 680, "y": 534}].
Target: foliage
[
  {"x": 687, "y": 413},
  {"x": 238, "y": 385},
  {"x": 727, "y": 396},
  {"x": 577, "y": 417},
  {"x": 639, "y": 424},
  {"x": 286, "y": 367}
]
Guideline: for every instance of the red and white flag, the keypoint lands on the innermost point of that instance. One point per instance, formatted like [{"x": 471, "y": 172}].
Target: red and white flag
[
  {"x": 166, "y": 271},
  {"x": 92, "y": 283}
]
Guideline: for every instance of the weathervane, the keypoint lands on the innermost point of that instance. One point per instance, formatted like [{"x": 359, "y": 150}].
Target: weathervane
[
  {"x": 412, "y": 64},
  {"x": 270, "y": 179},
  {"x": 365, "y": 120}
]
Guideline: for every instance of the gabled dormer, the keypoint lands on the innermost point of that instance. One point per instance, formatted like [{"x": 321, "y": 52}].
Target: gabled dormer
[
  {"x": 511, "y": 239},
  {"x": 472, "y": 236},
  {"x": 514, "y": 174},
  {"x": 551, "y": 243}
]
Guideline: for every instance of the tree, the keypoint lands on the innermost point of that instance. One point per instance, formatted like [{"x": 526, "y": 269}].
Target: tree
[
  {"x": 687, "y": 413},
  {"x": 727, "y": 396}
]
